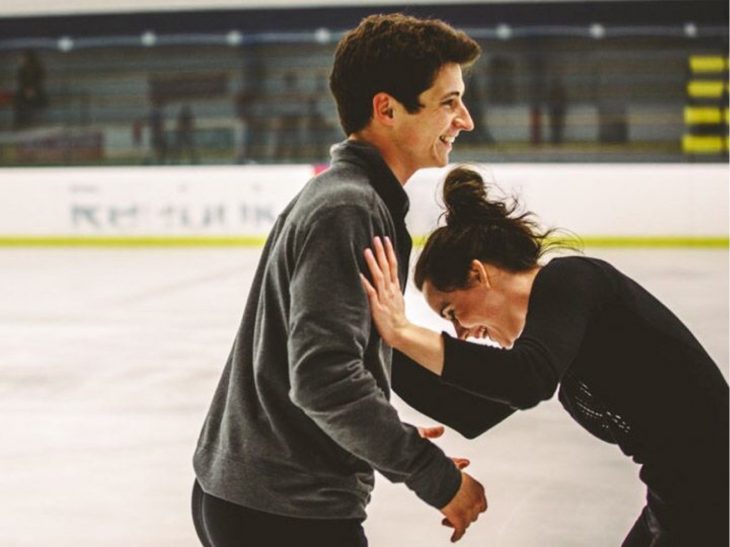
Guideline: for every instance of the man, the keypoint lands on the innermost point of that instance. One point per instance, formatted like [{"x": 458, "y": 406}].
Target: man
[{"x": 301, "y": 415}]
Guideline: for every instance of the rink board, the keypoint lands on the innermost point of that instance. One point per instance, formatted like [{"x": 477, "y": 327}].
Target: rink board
[{"x": 611, "y": 204}]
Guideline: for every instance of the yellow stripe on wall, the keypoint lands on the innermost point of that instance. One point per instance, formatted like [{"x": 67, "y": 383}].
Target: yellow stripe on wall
[
  {"x": 701, "y": 144},
  {"x": 708, "y": 63},
  {"x": 706, "y": 89},
  {"x": 694, "y": 115}
]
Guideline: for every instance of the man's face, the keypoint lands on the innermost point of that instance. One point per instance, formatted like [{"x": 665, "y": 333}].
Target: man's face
[{"x": 425, "y": 139}]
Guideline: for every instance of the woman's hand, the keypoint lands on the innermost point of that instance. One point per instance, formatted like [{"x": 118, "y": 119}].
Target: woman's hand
[
  {"x": 386, "y": 299},
  {"x": 435, "y": 432},
  {"x": 424, "y": 346}
]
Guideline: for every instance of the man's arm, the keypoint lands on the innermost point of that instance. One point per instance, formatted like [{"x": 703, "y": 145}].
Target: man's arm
[{"x": 329, "y": 338}]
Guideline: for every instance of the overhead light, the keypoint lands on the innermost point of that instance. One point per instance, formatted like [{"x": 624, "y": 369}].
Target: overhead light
[
  {"x": 149, "y": 39},
  {"x": 504, "y": 32},
  {"x": 234, "y": 38},
  {"x": 322, "y": 35},
  {"x": 690, "y": 30},
  {"x": 65, "y": 43},
  {"x": 597, "y": 31}
]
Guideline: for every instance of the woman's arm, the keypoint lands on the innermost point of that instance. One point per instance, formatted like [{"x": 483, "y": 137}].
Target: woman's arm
[
  {"x": 466, "y": 412},
  {"x": 387, "y": 308},
  {"x": 419, "y": 356},
  {"x": 520, "y": 377}
]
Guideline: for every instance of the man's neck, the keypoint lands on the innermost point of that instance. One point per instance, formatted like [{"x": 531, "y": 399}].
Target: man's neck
[{"x": 387, "y": 151}]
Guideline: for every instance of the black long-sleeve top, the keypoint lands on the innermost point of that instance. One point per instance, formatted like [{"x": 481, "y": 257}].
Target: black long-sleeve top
[{"x": 628, "y": 370}]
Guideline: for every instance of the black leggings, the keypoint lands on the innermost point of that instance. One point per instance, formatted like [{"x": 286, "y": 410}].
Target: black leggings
[{"x": 220, "y": 523}]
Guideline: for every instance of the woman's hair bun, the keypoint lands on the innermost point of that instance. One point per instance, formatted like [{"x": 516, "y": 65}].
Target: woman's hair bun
[{"x": 465, "y": 196}]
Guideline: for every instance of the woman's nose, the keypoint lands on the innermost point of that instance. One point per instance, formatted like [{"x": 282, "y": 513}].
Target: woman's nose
[{"x": 461, "y": 332}]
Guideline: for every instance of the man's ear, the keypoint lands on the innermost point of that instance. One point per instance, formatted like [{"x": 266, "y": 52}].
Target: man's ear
[{"x": 383, "y": 108}]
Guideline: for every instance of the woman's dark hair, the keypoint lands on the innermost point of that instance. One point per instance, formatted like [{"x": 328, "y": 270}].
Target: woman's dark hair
[
  {"x": 395, "y": 54},
  {"x": 479, "y": 228}
]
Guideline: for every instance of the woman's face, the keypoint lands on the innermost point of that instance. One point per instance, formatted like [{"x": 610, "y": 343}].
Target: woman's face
[{"x": 477, "y": 311}]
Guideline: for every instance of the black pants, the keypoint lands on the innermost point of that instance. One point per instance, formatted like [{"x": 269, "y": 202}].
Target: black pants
[
  {"x": 220, "y": 523},
  {"x": 703, "y": 527}
]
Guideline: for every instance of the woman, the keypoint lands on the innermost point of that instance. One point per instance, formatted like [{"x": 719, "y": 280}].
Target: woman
[{"x": 625, "y": 367}]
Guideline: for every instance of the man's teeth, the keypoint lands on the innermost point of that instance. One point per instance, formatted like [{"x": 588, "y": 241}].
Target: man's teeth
[{"x": 447, "y": 140}]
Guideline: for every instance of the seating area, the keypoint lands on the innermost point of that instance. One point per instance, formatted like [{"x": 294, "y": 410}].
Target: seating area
[{"x": 541, "y": 96}]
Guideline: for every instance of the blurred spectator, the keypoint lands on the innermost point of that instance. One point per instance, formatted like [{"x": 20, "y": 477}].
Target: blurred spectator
[
  {"x": 320, "y": 134},
  {"x": 30, "y": 94},
  {"x": 158, "y": 139},
  {"x": 137, "y": 132},
  {"x": 245, "y": 100},
  {"x": 288, "y": 138},
  {"x": 185, "y": 135},
  {"x": 536, "y": 87},
  {"x": 612, "y": 101},
  {"x": 556, "y": 109}
]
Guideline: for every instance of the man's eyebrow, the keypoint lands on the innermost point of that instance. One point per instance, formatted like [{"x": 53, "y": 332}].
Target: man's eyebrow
[{"x": 449, "y": 95}]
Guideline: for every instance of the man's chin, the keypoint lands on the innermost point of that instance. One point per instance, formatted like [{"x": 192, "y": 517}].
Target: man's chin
[{"x": 440, "y": 161}]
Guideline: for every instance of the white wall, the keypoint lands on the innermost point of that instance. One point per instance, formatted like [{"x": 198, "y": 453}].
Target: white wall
[{"x": 611, "y": 200}]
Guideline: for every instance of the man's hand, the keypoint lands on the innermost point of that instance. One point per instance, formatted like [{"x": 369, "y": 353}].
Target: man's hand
[{"x": 465, "y": 506}]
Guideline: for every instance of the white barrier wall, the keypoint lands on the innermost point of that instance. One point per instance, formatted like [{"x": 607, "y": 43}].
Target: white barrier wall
[
  {"x": 607, "y": 200},
  {"x": 150, "y": 201},
  {"x": 602, "y": 200}
]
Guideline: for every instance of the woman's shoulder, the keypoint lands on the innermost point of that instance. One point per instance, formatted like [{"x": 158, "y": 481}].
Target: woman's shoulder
[
  {"x": 577, "y": 273},
  {"x": 577, "y": 263}
]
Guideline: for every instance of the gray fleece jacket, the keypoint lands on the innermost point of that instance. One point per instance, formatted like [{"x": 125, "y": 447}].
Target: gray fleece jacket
[{"x": 301, "y": 415}]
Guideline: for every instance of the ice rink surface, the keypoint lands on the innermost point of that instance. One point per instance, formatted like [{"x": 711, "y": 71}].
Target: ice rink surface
[{"x": 109, "y": 359}]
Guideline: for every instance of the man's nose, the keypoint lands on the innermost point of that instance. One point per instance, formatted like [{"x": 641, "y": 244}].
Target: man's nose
[{"x": 463, "y": 120}]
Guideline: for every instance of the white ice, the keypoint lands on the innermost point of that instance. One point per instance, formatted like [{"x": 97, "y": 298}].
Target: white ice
[{"x": 109, "y": 359}]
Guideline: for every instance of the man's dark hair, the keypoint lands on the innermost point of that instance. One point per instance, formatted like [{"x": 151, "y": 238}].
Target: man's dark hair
[{"x": 395, "y": 54}]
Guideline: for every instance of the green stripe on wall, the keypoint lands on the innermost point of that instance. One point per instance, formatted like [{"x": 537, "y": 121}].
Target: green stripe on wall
[
  {"x": 715, "y": 242},
  {"x": 636, "y": 241},
  {"x": 258, "y": 241}
]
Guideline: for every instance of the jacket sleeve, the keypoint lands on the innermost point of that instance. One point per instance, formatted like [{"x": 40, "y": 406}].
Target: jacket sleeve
[
  {"x": 466, "y": 412},
  {"x": 330, "y": 339},
  {"x": 561, "y": 303}
]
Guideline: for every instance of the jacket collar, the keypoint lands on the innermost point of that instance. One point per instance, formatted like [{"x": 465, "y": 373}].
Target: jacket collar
[{"x": 381, "y": 177}]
